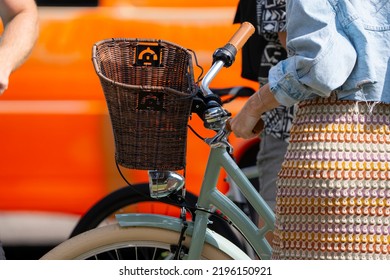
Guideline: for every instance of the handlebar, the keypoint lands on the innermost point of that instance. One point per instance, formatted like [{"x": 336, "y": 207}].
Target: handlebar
[
  {"x": 214, "y": 115},
  {"x": 257, "y": 129},
  {"x": 225, "y": 56},
  {"x": 242, "y": 35},
  {"x": 237, "y": 41}
]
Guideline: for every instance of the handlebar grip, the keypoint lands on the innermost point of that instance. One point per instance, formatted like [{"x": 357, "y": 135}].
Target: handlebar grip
[
  {"x": 228, "y": 53},
  {"x": 256, "y": 130},
  {"x": 242, "y": 35},
  {"x": 258, "y": 127}
]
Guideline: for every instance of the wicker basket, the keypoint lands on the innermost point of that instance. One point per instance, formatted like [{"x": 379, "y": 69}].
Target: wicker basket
[{"x": 149, "y": 87}]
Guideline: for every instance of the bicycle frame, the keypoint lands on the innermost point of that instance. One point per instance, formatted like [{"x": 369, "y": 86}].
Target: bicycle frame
[
  {"x": 210, "y": 195},
  {"x": 180, "y": 238}
]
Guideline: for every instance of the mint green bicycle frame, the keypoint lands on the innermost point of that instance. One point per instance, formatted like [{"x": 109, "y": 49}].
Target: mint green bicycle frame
[{"x": 210, "y": 195}]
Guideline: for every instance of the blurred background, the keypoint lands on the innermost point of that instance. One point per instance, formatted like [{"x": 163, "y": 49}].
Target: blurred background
[{"x": 56, "y": 146}]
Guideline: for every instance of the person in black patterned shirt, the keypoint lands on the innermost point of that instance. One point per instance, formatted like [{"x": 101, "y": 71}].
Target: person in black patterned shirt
[{"x": 262, "y": 51}]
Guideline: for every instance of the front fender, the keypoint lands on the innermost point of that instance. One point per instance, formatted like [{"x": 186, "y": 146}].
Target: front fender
[{"x": 175, "y": 224}]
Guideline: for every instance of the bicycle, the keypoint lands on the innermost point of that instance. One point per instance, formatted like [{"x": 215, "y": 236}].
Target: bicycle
[
  {"x": 135, "y": 198},
  {"x": 165, "y": 237}
]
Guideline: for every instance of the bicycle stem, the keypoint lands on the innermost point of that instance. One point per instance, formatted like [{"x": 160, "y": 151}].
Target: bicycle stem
[
  {"x": 210, "y": 75},
  {"x": 225, "y": 56},
  {"x": 215, "y": 116}
]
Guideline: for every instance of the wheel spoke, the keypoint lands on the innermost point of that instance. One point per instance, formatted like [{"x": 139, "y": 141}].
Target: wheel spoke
[
  {"x": 154, "y": 254},
  {"x": 129, "y": 243}
]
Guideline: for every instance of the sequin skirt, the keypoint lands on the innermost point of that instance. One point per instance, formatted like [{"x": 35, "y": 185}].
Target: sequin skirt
[{"x": 333, "y": 197}]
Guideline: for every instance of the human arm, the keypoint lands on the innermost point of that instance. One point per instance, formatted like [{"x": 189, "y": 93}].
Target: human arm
[
  {"x": 320, "y": 55},
  {"x": 272, "y": 22},
  {"x": 283, "y": 38},
  {"x": 20, "y": 21},
  {"x": 244, "y": 124},
  {"x": 320, "y": 60}
]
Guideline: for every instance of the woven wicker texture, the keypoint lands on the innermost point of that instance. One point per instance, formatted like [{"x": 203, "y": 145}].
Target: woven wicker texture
[{"x": 149, "y": 87}]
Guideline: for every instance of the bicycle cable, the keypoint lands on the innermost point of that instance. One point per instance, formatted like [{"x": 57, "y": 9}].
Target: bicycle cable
[
  {"x": 180, "y": 201},
  {"x": 196, "y": 133},
  {"x": 191, "y": 209},
  {"x": 200, "y": 77},
  {"x": 174, "y": 203}
]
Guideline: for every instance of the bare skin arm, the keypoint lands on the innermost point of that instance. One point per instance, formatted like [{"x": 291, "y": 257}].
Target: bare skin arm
[
  {"x": 247, "y": 124},
  {"x": 20, "y": 21},
  {"x": 283, "y": 38},
  {"x": 244, "y": 124}
]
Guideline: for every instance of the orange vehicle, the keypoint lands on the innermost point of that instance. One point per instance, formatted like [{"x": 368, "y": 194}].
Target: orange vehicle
[{"x": 57, "y": 150}]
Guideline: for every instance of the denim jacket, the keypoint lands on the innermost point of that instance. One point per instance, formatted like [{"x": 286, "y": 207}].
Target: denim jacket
[{"x": 340, "y": 46}]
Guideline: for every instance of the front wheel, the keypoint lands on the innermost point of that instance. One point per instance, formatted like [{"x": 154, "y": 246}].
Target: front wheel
[
  {"x": 136, "y": 199},
  {"x": 130, "y": 243},
  {"x": 129, "y": 199}
]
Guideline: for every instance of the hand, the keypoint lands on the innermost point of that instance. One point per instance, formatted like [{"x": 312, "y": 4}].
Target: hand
[
  {"x": 4, "y": 79},
  {"x": 248, "y": 124}
]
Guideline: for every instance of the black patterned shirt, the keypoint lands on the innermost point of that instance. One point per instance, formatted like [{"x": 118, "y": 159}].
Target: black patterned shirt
[{"x": 271, "y": 19}]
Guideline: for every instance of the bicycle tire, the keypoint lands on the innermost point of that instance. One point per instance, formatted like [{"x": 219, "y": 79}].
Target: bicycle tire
[
  {"x": 118, "y": 199},
  {"x": 109, "y": 242},
  {"x": 139, "y": 193}
]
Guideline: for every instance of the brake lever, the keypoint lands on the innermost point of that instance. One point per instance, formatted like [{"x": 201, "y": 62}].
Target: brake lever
[{"x": 220, "y": 139}]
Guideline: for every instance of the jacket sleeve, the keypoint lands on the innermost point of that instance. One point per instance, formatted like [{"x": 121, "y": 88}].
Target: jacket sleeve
[{"x": 320, "y": 55}]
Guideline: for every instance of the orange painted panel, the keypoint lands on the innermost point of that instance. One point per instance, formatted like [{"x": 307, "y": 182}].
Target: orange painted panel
[
  {"x": 56, "y": 147},
  {"x": 168, "y": 3}
]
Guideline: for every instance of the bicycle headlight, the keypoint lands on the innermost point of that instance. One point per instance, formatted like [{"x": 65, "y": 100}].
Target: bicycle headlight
[{"x": 163, "y": 183}]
